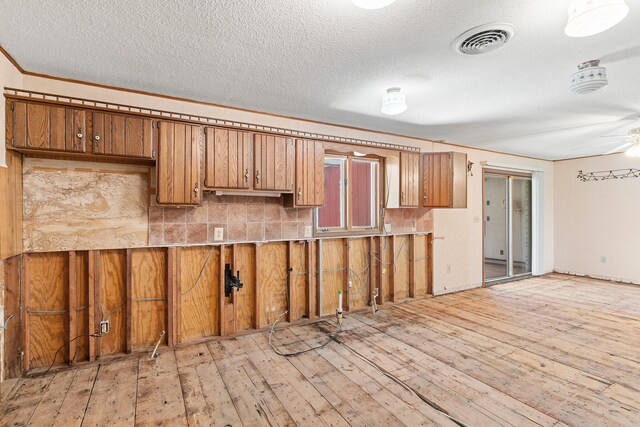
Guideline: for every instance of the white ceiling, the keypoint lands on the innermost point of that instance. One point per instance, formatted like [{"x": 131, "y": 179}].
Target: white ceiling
[{"x": 330, "y": 61}]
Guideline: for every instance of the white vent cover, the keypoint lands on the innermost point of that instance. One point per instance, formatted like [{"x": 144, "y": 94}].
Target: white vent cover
[{"x": 484, "y": 38}]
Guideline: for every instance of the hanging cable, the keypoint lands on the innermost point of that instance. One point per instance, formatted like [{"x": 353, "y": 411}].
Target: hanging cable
[
  {"x": 204, "y": 264},
  {"x": 55, "y": 355},
  {"x": 402, "y": 383}
]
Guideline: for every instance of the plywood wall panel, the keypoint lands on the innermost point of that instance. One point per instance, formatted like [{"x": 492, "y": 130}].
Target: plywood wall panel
[
  {"x": 359, "y": 273},
  {"x": 420, "y": 265},
  {"x": 333, "y": 274},
  {"x": 47, "y": 307},
  {"x": 149, "y": 296},
  {"x": 71, "y": 205},
  {"x": 386, "y": 262},
  {"x": 199, "y": 304},
  {"x": 401, "y": 268},
  {"x": 245, "y": 258},
  {"x": 298, "y": 280},
  {"x": 113, "y": 298},
  {"x": 272, "y": 273},
  {"x": 79, "y": 349}
]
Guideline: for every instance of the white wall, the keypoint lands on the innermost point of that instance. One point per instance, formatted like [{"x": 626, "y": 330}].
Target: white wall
[
  {"x": 597, "y": 219},
  {"x": 461, "y": 248},
  {"x": 458, "y": 257}
]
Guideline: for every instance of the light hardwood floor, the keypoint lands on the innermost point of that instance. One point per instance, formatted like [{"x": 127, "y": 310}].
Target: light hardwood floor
[{"x": 548, "y": 351}]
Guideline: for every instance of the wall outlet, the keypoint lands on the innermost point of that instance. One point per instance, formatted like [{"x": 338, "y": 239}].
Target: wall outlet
[
  {"x": 603, "y": 259},
  {"x": 448, "y": 268},
  {"x": 104, "y": 327},
  {"x": 308, "y": 231},
  {"x": 501, "y": 252},
  {"x": 387, "y": 228},
  {"x": 218, "y": 234}
]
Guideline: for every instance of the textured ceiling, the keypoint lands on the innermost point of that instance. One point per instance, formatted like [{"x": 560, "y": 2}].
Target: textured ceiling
[{"x": 330, "y": 61}]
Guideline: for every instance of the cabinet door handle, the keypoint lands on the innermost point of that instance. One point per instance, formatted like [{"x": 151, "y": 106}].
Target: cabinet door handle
[
  {"x": 196, "y": 190},
  {"x": 402, "y": 196},
  {"x": 257, "y": 176},
  {"x": 246, "y": 175},
  {"x": 299, "y": 193}
]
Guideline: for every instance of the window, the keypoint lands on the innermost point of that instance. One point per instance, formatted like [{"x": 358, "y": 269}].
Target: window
[{"x": 351, "y": 195}]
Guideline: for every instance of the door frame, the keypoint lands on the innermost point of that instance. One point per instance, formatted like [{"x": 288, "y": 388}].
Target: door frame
[{"x": 536, "y": 225}]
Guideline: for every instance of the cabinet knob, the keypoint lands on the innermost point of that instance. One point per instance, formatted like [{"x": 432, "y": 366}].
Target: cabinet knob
[
  {"x": 424, "y": 197},
  {"x": 299, "y": 193},
  {"x": 97, "y": 137},
  {"x": 79, "y": 134},
  {"x": 196, "y": 189},
  {"x": 258, "y": 176},
  {"x": 246, "y": 175}
]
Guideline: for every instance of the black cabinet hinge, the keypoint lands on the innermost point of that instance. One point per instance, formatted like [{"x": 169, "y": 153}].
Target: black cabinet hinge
[{"x": 13, "y": 106}]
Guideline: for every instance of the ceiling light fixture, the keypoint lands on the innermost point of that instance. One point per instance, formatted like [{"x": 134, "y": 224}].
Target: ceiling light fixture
[
  {"x": 372, "y": 4},
  {"x": 589, "y": 77},
  {"x": 393, "y": 102},
  {"x": 589, "y": 17}
]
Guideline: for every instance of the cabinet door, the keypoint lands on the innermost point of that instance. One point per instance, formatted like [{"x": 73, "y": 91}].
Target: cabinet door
[
  {"x": 309, "y": 189},
  {"x": 445, "y": 180},
  {"x": 227, "y": 158},
  {"x": 273, "y": 162},
  {"x": 178, "y": 165},
  {"x": 119, "y": 135},
  {"x": 47, "y": 127},
  {"x": 409, "y": 179},
  {"x": 437, "y": 180}
]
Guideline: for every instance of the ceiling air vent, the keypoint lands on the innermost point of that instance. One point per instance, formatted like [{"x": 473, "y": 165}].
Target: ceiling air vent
[{"x": 484, "y": 38}]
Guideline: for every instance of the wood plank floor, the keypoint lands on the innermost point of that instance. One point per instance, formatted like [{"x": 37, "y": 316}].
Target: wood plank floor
[{"x": 554, "y": 350}]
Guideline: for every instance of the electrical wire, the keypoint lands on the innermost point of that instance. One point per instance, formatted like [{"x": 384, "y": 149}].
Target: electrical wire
[
  {"x": 204, "y": 264},
  {"x": 55, "y": 355},
  {"x": 279, "y": 352},
  {"x": 402, "y": 383},
  {"x": 284, "y": 313}
]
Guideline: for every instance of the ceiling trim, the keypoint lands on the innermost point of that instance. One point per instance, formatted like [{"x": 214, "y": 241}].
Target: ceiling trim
[{"x": 192, "y": 101}]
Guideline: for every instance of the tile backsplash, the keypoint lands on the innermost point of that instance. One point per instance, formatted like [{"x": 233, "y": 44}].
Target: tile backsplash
[{"x": 252, "y": 219}]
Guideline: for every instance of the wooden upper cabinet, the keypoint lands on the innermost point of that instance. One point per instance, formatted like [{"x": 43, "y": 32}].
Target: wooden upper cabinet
[
  {"x": 409, "y": 179},
  {"x": 178, "y": 164},
  {"x": 444, "y": 180},
  {"x": 309, "y": 190},
  {"x": 273, "y": 161},
  {"x": 123, "y": 136},
  {"x": 228, "y": 159},
  {"x": 47, "y": 127}
]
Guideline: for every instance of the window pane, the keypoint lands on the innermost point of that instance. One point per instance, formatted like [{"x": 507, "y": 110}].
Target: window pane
[
  {"x": 331, "y": 213},
  {"x": 363, "y": 193}
]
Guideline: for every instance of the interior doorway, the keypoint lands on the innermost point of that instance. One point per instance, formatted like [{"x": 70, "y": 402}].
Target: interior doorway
[{"x": 508, "y": 230}]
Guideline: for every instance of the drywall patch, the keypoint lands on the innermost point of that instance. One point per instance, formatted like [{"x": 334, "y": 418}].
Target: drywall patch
[{"x": 83, "y": 205}]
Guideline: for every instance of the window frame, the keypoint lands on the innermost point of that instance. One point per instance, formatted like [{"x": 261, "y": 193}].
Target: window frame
[{"x": 347, "y": 227}]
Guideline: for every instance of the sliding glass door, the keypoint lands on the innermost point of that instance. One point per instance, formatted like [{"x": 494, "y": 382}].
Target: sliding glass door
[{"x": 507, "y": 226}]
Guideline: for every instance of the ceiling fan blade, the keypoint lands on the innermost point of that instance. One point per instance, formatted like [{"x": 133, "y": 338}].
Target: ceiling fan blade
[{"x": 620, "y": 147}]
